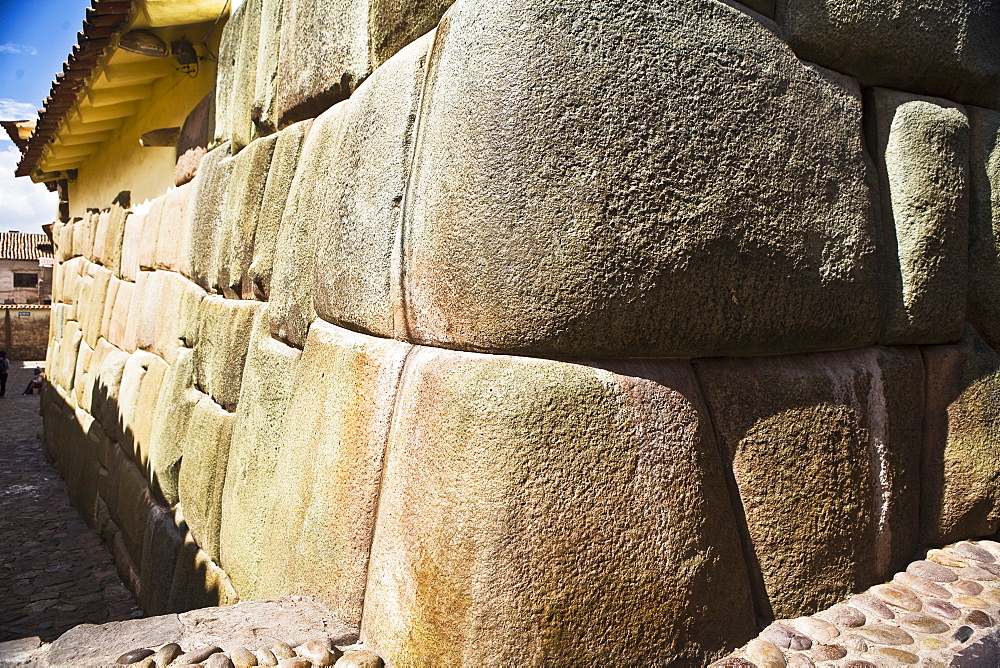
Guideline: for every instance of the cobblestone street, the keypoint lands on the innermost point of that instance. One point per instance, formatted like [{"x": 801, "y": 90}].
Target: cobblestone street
[{"x": 54, "y": 571}]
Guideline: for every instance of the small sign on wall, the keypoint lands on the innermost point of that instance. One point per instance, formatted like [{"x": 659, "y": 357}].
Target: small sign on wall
[{"x": 24, "y": 314}]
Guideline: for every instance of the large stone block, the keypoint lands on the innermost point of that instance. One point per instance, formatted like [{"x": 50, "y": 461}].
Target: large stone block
[
  {"x": 118, "y": 326},
  {"x": 922, "y": 147},
  {"x": 114, "y": 234},
  {"x": 182, "y": 300},
  {"x": 170, "y": 426},
  {"x": 266, "y": 81},
  {"x": 100, "y": 225},
  {"x": 150, "y": 233},
  {"x": 269, "y": 377},
  {"x": 150, "y": 309},
  {"x": 104, "y": 400},
  {"x": 357, "y": 240},
  {"x": 138, "y": 303},
  {"x": 324, "y": 55},
  {"x": 825, "y": 462},
  {"x": 220, "y": 353},
  {"x": 171, "y": 235},
  {"x": 328, "y": 468},
  {"x": 203, "y": 472},
  {"x": 160, "y": 553},
  {"x": 109, "y": 306},
  {"x": 284, "y": 161},
  {"x": 92, "y": 315},
  {"x": 132, "y": 246},
  {"x": 146, "y": 407},
  {"x": 549, "y": 502},
  {"x": 946, "y": 48},
  {"x": 239, "y": 220},
  {"x": 660, "y": 217},
  {"x": 960, "y": 486},
  {"x": 241, "y": 122},
  {"x": 135, "y": 404},
  {"x": 198, "y": 582},
  {"x": 984, "y": 224},
  {"x": 393, "y": 24},
  {"x": 203, "y": 226},
  {"x": 308, "y": 206}
]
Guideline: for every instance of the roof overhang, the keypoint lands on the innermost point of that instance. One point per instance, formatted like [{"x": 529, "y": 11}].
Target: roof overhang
[{"x": 103, "y": 86}]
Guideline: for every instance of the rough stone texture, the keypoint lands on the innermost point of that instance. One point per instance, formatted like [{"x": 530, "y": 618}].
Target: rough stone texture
[
  {"x": 266, "y": 80},
  {"x": 393, "y": 24},
  {"x": 960, "y": 486},
  {"x": 239, "y": 220},
  {"x": 825, "y": 459},
  {"x": 474, "y": 511},
  {"x": 175, "y": 407},
  {"x": 93, "y": 310},
  {"x": 314, "y": 74},
  {"x": 225, "y": 77},
  {"x": 137, "y": 304},
  {"x": 308, "y": 205},
  {"x": 131, "y": 247},
  {"x": 946, "y": 48},
  {"x": 922, "y": 147},
  {"x": 984, "y": 224},
  {"x": 284, "y": 161},
  {"x": 150, "y": 234},
  {"x": 187, "y": 165},
  {"x": 161, "y": 547},
  {"x": 329, "y": 467},
  {"x": 170, "y": 237},
  {"x": 223, "y": 338},
  {"x": 203, "y": 472},
  {"x": 204, "y": 217},
  {"x": 357, "y": 244},
  {"x": 198, "y": 582},
  {"x": 542, "y": 218},
  {"x": 115, "y": 231},
  {"x": 242, "y": 128},
  {"x": 96, "y": 644},
  {"x": 119, "y": 317},
  {"x": 270, "y": 376}
]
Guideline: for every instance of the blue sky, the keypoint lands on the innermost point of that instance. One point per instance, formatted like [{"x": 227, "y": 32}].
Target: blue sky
[{"x": 35, "y": 38}]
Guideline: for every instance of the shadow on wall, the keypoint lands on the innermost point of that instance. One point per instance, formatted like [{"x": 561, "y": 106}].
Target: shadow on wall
[{"x": 154, "y": 552}]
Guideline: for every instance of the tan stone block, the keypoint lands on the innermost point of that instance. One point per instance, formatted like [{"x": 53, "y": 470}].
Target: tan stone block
[
  {"x": 242, "y": 128},
  {"x": 114, "y": 233},
  {"x": 171, "y": 235},
  {"x": 104, "y": 401},
  {"x": 160, "y": 553},
  {"x": 960, "y": 485},
  {"x": 203, "y": 226},
  {"x": 132, "y": 246},
  {"x": 198, "y": 582},
  {"x": 150, "y": 234},
  {"x": 291, "y": 299},
  {"x": 239, "y": 219},
  {"x": 393, "y": 24},
  {"x": 180, "y": 298},
  {"x": 224, "y": 332},
  {"x": 922, "y": 151},
  {"x": 824, "y": 459},
  {"x": 266, "y": 79},
  {"x": 169, "y": 429},
  {"x": 92, "y": 315},
  {"x": 83, "y": 359},
  {"x": 109, "y": 306},
  {"x": 269, "y": 378},
  {"x": 137, "y": 304},
  {"x": 65, "y": 371},
  {"x": 146, "y": 408},
  {"x": 130, "y": 398},
  {"x": 80, "y": 239},
  {"x": 358, "y": 251},
  {"x": 543, "y": 219},
  {"x": 100, "y": 236},
  {"x": 328, "y": 468},
  {"x": 203, "y": 472},
  {"x": 151, "y": 310},
  {"x": 474, "y": 510},
  {"x": 89, "y": 385},
  {"x": 118, "y": 327},
  {"x": 284, "y": 161}
]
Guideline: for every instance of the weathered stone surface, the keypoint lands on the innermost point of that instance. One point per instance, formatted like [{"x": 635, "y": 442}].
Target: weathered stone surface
[
  {"x": 161, "y": 547},
  {"x": 922, "y": 146},
  {"x": 242, "y": 128},
  {"x": 266, "y": 80},
  {"x": 543, "y": 218},
  {"x": 393, "y": 24},
  {"x": 984, "y": 224},
  {"x": 220, "y": 353},
  {"x": 150, "y": 234},
  {"x": 99, "y": 224},
  {"x": 198, "y": 581},
  {"x": 128, "y": 397},
  {"x": 314, "y": 74},
  {"x": 226, "y": 76},
  {"x": 92, "y": 314},
  {"x": 239, "y": 219},
  {"x": 473, "y": 511},
  {"x": 171, "y": 235},
  {"x": 359, "y": 658},
  {"x": 357, "y": 242},
  {"x": 291, "y": 298},
  {"x": 203, "y": 472},
  {"x": 128, "y": 268},
  {"x": 843, "y": 516},
  {"x": 118, "y": 326},
  {"x": 284, "y": 161},
  {"x": 945, "y": 48},
  {"x": 109, "y": 306},
  {"x": 180, "y": 298},
  {"x": 175, "y": 407},
  {"x": 270, "y": 376},
  {"x": 960, "y": 486},
  {"x": 328, "y": 468},
  {"x": 203, "y": 226},
  {"x": 114, "y": 234},
  {"x": 100, "y": 644},
  {"x": 137, "y": 303}
]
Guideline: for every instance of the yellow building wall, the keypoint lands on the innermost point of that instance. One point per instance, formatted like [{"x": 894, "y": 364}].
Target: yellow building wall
[{"x": 125, "y": 165}]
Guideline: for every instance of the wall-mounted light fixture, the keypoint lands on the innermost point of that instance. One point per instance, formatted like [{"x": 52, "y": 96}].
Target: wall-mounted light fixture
[{"x": 144, "y": 43}]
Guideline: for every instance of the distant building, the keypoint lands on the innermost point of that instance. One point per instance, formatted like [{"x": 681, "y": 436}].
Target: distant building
[{"x": 25, "y": 268}]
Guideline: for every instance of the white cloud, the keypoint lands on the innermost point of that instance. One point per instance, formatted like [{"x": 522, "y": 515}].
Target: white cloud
[
  {"x": 12, "y": 110},
  {"x": 24, "y": 206},
  {"x": 18, "y": 48}
]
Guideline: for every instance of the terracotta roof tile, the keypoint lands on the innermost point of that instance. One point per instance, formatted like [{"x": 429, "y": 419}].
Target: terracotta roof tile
[{"x": 21, "y": 246}]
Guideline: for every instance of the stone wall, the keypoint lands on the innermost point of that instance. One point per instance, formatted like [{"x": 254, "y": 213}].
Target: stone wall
[
  {"x": 25, "y": 333},
  {"x": 574, "y": 331}
]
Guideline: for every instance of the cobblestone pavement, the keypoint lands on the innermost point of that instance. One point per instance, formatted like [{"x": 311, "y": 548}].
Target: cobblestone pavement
[{"x": 54, "y": 571}]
